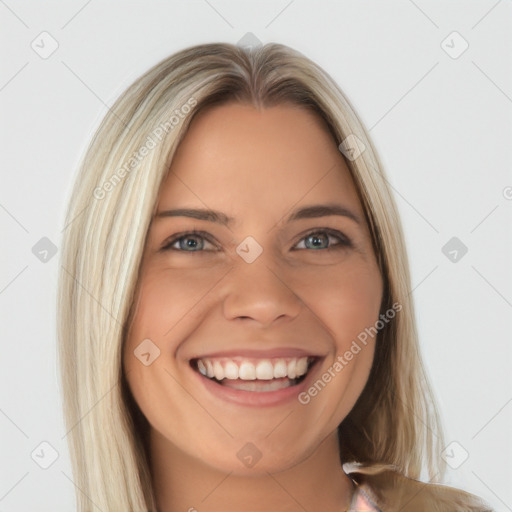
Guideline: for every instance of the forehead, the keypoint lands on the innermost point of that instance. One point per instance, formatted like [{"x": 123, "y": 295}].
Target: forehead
[{"x": 241, "y": 155}]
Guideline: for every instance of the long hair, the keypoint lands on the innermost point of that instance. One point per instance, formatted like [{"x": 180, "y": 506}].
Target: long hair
[{"x": 394, "y": 422}]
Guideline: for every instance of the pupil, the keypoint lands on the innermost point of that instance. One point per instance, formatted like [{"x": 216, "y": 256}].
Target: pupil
[
  {"x": 316, "y": 240},
  {"x": 191, "y": 242}
]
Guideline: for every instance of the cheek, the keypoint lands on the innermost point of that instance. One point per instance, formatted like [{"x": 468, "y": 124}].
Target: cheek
[
  {"x": 346, "y": 300},
  {"x": 166, "y": 301},
  {"x": 166, "y": 312},
  {"x": 348, "y": 305}
]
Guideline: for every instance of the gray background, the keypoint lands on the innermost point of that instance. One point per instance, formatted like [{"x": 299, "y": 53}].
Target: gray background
[{"x": 441, "y": 122}]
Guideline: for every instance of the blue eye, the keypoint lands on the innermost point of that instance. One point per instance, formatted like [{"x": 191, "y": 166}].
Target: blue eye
[
  {"x": 319, "y": 238},
  {"x": 194, "y": 241}
]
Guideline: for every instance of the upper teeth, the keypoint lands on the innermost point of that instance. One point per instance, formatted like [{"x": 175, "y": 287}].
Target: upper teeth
[{"x": 264, "y": 369}]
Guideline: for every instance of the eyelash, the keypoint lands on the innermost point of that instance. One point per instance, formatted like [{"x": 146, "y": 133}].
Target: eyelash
[{"x": 343, "y": 241}]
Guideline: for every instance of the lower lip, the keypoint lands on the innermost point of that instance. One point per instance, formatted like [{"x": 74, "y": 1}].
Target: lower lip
[{"x": 257, "y": 398}]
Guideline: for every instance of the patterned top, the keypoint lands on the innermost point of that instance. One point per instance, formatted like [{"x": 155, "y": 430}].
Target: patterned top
[
  {"x": 380, "y": 488},
  {"x": 362, "y": 502}
]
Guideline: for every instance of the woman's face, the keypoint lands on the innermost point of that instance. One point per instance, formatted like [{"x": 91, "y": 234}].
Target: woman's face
[{"x": 282, "y": 286}]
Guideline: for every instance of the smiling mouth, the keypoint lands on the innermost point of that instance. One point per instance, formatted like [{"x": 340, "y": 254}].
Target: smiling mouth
[{"x": 255, "y": 374}]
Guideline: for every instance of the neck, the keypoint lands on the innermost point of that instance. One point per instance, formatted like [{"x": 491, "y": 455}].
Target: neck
[{"x": 183, "y": 483}]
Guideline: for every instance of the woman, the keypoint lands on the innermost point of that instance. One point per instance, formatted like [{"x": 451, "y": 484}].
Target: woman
[{"x": 235, "y": 325}]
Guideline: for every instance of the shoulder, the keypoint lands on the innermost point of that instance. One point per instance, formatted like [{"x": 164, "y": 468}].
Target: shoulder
[{"x": 387, "y": 490}]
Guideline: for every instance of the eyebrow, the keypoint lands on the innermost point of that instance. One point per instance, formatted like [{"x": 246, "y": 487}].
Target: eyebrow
[{"x": 307, "y": 212}]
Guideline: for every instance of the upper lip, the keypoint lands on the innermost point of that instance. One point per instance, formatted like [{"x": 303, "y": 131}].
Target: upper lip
[{"x": 260, "y": 354}]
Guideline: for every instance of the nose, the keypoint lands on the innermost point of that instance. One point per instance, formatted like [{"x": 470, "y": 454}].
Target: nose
[{"x": 258, "y": 292}]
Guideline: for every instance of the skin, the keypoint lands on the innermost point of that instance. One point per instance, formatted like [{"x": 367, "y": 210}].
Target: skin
[{"x": 257, "y": 166}]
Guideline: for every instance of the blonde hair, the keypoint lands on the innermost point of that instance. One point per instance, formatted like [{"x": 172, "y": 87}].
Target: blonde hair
[{"x": 395, "y": 421}]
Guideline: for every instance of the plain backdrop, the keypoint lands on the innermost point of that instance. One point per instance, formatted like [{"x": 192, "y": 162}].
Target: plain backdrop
[{"x": 432, "y": 82}]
